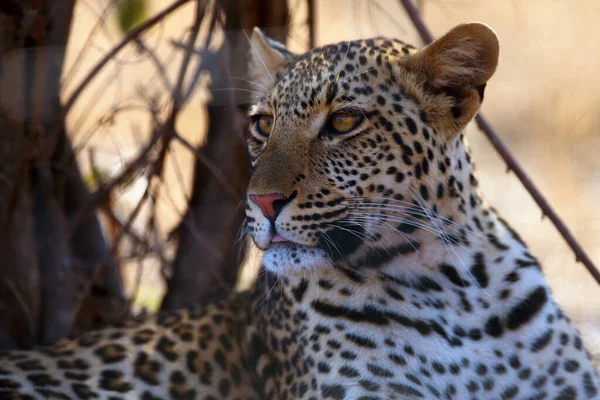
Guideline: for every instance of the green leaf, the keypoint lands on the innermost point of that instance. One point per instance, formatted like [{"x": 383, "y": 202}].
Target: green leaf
[
  {"x": 131, "y": 13},
  {"x": 96, "y": 177}
]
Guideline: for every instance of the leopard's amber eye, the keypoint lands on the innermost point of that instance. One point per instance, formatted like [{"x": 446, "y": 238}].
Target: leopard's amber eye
[
  {"x": 344, "y": 122},
  {"x": 265, "y": 124}
]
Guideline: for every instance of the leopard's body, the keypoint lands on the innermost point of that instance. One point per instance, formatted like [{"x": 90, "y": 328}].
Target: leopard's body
[{"x": 385, "y": 274}]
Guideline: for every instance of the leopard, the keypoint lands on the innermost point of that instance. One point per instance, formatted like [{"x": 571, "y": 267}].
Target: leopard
[{"x": 385, "y": 274}]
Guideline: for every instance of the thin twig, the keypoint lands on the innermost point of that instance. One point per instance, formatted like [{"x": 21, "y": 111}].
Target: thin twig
[
  {"x": 104, "y": 190},
  {"x": 177, "y": 95},
  {"x": 310, "y": 21},
  {"x": 131, "y": 36},
  {"x": 211, "y": 166},
  {"x": 417, "y": 21},
  {"x": 216, "y": 17},
  {"x": 87, "y": 44},
  {"x": 512, "y": 163}
]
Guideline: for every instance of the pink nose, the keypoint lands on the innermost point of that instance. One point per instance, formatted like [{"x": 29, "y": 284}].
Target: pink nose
[{"x": 266, "y": 203}]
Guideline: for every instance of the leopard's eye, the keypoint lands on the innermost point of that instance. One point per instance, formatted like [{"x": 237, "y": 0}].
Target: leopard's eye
[
  {"x": 344, "y": 122},
  {"x": 264, "y": 124}
]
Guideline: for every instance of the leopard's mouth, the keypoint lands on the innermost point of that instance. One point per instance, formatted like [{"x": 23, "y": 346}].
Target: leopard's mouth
[{"x": 280, "y": 241}]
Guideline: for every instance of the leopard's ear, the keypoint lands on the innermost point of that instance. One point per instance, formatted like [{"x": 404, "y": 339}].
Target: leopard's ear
[
  {"x": 456, "y": 68},
  {"x": 267, "y": 57}
]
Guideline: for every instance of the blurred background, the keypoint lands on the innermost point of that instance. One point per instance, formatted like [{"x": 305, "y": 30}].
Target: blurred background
[{"x": 123, "y": 166}]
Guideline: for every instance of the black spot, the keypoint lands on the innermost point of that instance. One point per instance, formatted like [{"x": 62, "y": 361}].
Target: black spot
[
  {"x": 299, "y": 291},
  {"x": 412, "y": 127},
  {"x": 475, "y": 334},
  {"x": 30, "y": 365},
  {"x": 348, "y": 371},
  {"x": 527, "y": 308},
  {"x": 394, "y": 294},
  {"x": 568, "y": 393},
  {"x": 525, "y": 374},
  {"x": 336, "y": 392},
  {"x": 378, "y": 370},
  {"x": 146, "y": 369},
  {"x": 424, "y": 192},
  {"x": 331, "y": 92},
  {"x": 7, "y": 384},
  {"x": 406, "y": 390},
  {"x": 425, "y": 284},
  {"x": 510, "y": 392},
  {"x": 346, "y": 236},
  {"x": 366, "y": 315},
  {"x": 542, "y": 341},
  {"x": 571, "y": 365},
  {"x": 143, "y": 336},
  {"x": 111, "y": 353},
  {"x": 166, "y": 347},
  {"x": 362, "y": 341},
  {"x": 369, "y": 385},
  {"x": 398, "y": 359},
  {"x": 112, "y": 381},
  {"x": 439, "y": 368},
  {"x": 376, "y": 257},
  {"x": 74, "y": 376},
  {"x": 453, "y": 276},
  {"x": 43, "y": 380},
  {"x": 83, "y": 391},
  {"x": 323, "y": 367},
  {"x": 168, "y": 318},
  {"x": 440, "y": 190},
  {"x": 588, "y": 385},
  {"x": 77, "y": 364},
  {"x": 89, "y": 339},
  {"x": 478, "y": 270},
  {"x": 493, "y": 327},
  {"x": 224, "y": 387}
]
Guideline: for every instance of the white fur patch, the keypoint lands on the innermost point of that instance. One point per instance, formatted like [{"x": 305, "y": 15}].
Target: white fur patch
[
  {"x": 318, "y": 121},
  {"x": 288, "y": 259}
]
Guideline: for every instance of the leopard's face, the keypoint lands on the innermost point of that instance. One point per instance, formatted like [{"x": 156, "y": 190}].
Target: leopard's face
[{"x": 339, "y": 137}]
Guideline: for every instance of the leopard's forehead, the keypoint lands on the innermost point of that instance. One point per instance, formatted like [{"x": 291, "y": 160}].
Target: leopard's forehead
[{"x": 334, "y": 69}]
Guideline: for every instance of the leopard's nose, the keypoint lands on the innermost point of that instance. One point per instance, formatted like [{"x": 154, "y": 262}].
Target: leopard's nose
[{"x": 270, "y": 204}]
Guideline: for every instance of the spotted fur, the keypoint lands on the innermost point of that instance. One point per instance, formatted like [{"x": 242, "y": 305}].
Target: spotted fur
[{"x": 391, "y": 277}]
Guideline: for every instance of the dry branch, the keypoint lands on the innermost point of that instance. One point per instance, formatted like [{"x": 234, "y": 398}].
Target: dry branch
[
  {"x": 511, "y": 161},
  {"x": 131, "y": 36}
]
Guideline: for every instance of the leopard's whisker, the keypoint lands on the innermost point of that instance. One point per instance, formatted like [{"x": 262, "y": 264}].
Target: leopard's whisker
[
  {"x": 249, "y": 81},
  {"x": 387, "y": 226},
  {"x": 409, "y": 206},
  {"x": 268, "y": 293},
  {"x": 363, "y": 237},
  {"x": 259, "y": 57},
  {"x": 384, "y": 217},
  {"x": 417, "y": 197}
]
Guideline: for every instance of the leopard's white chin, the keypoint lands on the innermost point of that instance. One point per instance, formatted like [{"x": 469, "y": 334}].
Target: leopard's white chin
[{"x": 287, "y": 259}]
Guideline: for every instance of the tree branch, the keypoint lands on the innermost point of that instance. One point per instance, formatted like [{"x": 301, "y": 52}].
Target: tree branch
[{"x": 131, "y": 36}]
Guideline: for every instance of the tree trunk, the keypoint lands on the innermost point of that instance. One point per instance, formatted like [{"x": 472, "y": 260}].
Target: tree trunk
[
  {"x": 207, "y": 261},
  {"x": 44, "y": 272}
]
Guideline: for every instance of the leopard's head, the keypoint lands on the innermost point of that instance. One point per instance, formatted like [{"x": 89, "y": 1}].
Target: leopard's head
[{"x": 351, "y": 144}]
